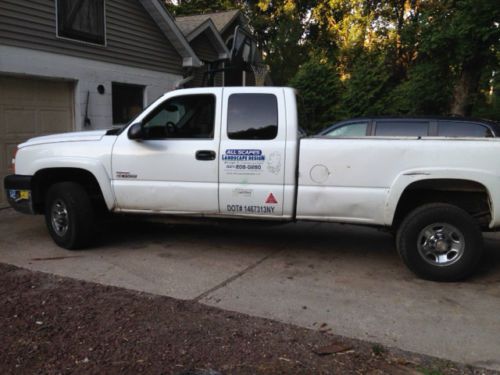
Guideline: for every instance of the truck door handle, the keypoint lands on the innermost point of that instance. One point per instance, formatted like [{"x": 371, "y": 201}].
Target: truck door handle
[{"x": 205, "y": 155}]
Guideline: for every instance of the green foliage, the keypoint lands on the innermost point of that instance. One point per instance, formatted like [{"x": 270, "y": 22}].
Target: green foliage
[
  {"x": 378, "y": 349},
  {"x": 430, "y": 371},
  {"x": 279, "y": 28},
  {"x": 367, "y": 87},
  {"x": 399, "y": 57},
  {"x": 319, "y": 90},
  {"x": 426, "y": 91},
  {"x": 487, "y": 103},
  {"x": 354, "y": 58},
  {"x": 190, "y": 7}
]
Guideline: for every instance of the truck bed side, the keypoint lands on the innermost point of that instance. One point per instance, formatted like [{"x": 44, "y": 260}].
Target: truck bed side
[{"x": 361, "y": 180}]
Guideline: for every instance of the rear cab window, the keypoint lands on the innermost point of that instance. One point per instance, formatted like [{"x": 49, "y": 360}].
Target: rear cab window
[{"x": 252, "y": 117}]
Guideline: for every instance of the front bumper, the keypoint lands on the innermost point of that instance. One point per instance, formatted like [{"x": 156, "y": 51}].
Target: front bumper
[{"x": 19, "y": 193}]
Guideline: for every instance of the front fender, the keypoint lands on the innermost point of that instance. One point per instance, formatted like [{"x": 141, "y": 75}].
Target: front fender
[
  {"x": 489, "y": 180},
  {"x": 90, "y": 165}
]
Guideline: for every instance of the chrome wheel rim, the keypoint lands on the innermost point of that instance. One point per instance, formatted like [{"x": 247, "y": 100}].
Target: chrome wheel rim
[
  {"x": 59, "y": 217},
  {"x": 441, "y": 244}
]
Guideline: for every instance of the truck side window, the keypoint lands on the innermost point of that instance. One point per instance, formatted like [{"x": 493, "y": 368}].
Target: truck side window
[
  {"x": 402, "y": 128},
  {"x": 463, "y": 129},
  {"x": 252, "y": 116},
  {"x": 189, "y": 116},
  {"x": 357, "y": 129}
]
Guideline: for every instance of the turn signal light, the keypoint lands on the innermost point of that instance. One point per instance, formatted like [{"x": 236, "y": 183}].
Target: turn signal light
[{"x": 13, "y": 165}]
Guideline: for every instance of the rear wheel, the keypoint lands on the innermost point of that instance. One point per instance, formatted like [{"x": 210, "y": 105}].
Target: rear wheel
[
  {"x": 440, "y": 242},
  {"x": 69, "y": 215}
]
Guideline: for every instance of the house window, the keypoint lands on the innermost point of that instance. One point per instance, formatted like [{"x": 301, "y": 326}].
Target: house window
[
  {"x": 128, "y": 102},
  {"x": 252, "y": 116},
  {"x": 82, "y": 20}
]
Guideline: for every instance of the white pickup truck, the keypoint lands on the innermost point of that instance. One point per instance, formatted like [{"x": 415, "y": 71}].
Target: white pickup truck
[{"x": 236, "y": 153}]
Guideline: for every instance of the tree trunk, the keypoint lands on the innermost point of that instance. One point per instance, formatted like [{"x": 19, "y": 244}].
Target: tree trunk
[{"x": 466, "y": 88}]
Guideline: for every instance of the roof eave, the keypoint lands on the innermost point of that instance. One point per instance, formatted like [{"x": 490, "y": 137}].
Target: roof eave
[
  {"x": 188, "y": 62},
  {"x": 209, "y": 27},
  {"x": 237, "y": 15},
  {"x": 167, "y": 25}
]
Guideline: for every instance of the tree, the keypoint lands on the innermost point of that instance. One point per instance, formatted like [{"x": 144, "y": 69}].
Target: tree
[
  {"x": 190, "y": 7},
  {"x": 319, "y": 90},
  {"x": 279, "y": 28},
  {"x": 381, "y": 57},
  {"x": 463, "y": 36}
]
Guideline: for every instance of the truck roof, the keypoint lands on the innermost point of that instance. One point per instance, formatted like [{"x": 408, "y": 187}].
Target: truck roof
[{"x": 493, "y": 125}]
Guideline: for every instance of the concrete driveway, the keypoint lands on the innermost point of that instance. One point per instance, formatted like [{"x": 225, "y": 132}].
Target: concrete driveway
[{"x": 341, "y": 279}]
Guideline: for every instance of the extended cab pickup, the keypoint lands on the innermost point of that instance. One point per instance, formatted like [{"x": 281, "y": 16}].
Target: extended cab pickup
[{"x": 236, "y": 153}]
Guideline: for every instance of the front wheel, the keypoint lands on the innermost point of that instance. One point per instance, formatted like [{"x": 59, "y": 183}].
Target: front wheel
[
  {"x": 440, "y": 242},
  {"x": 69, "y": 215}
]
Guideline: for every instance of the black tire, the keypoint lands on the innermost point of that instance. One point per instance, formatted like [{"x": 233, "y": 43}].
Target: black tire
[
  {"x": 69, "y": 215},
  {"x": 432, "y": 255}
]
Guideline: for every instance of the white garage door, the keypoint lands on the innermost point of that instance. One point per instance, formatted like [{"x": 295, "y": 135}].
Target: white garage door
[{"x": 28, "y": 108}]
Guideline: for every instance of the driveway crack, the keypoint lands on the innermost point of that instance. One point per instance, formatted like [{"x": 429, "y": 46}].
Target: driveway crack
[{"x": 236, "y": 276}]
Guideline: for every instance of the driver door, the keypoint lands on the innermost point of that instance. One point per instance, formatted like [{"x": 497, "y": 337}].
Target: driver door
[{"x": 173, "y": 168}]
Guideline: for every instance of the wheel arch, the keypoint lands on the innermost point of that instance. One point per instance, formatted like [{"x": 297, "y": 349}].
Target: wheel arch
[
  {"x": 466, "y": 190},
  {"x": 100, "y": 193}
]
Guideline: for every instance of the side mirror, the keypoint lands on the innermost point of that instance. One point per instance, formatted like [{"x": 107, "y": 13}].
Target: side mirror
[{"x": 135, "y": 131}]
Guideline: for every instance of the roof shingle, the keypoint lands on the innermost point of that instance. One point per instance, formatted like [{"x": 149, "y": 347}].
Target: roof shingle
[{"x": 221, "y": 19}]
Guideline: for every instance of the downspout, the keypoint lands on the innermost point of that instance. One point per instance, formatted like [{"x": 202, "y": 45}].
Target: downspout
[{"x": 182, "y": 82}]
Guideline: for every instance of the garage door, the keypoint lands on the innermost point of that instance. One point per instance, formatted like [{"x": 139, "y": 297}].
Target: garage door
[{"x": 28, "y": 108}]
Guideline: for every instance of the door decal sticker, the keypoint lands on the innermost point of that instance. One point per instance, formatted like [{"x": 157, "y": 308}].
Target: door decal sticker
[
  {"x": 243, "y": 161},
  {"x": 271, "y": 199},
  {"x": 274, "y": 163}
]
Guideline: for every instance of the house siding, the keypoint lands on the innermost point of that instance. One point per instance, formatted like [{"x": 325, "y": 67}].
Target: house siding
[
  {"x": 86, "y": 76},
  {"x": 202, "y": 46},
  {"x": 132, "y": 37}
]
